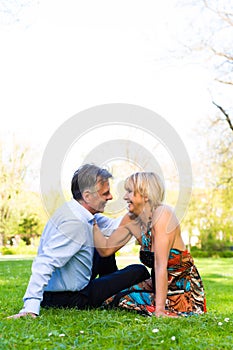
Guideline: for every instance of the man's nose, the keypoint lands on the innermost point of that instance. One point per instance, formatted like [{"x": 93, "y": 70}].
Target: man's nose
[{"x": 110, "y": 197}]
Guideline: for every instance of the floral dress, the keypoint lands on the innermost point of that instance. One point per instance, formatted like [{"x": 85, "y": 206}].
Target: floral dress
[{"x": 185, "y": 294}]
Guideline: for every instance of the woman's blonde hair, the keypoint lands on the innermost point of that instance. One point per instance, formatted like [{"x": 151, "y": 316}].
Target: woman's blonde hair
[{"x": 147, "y": 184}]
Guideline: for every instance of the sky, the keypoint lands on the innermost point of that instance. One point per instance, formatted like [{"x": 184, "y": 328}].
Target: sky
[{"x": 60, "y": 57}]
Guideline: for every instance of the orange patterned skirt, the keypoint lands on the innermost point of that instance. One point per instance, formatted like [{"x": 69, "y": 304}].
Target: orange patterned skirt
[{"x": 185, "y": 294}]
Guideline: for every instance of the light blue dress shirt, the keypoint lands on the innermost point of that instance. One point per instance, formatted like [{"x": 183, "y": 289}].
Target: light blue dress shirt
[{"x": 65, "y": 254}]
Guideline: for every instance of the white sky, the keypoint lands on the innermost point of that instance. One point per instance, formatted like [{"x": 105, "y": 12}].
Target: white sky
[{"x": 60, "y": 57}]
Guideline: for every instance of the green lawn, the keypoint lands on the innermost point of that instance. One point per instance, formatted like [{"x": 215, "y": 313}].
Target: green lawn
[{"x": 101, "y": 329}]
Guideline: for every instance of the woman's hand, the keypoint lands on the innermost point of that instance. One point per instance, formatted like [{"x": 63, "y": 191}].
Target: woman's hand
[{"x": 164, "y": 313}]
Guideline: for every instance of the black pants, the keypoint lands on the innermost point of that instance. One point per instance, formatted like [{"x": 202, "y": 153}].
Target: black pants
[
  {"x": 103, "y": 266},
  {"x": 98, "y": 289}
]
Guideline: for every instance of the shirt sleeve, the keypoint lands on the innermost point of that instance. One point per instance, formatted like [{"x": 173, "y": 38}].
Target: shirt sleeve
[
  {"x": 58, "y": 246},
  {"x": 107, "y": 225}
]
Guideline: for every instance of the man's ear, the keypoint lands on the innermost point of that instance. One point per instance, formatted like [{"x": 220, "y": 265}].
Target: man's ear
[{"x": 86, "y": 196}]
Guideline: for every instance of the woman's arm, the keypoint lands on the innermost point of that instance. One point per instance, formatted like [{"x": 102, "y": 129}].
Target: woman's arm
[
  {"x": 162, "y": 243},
  {"x": 108, "y": 245}
]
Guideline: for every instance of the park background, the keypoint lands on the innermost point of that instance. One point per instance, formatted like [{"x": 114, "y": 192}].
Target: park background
[
  {"x": 59, "y": 58},
  {"x": 173, "y": 57}
]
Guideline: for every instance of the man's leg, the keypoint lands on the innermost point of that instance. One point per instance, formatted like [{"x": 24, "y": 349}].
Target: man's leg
[
  {"x": 64, "y": 300},
  {"x": 103, "y": 266},
  {"x": 98, "y": 290},
  {"x": 104, "y": 287}
]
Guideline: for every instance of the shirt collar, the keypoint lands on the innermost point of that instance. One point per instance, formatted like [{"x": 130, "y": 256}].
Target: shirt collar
[{"x": 83, "y": 211}]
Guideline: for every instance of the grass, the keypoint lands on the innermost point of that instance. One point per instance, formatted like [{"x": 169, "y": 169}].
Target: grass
[{"x": 115, "y": 329}]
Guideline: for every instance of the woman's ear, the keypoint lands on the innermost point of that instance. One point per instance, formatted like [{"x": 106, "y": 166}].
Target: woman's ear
[{"x": 146, "y": 198}]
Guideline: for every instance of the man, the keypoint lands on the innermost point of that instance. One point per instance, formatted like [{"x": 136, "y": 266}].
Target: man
[{"x": 62, "y": 271}]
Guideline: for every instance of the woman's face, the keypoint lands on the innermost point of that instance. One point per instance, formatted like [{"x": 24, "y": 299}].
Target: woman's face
[{"x": 135, "y": 201}]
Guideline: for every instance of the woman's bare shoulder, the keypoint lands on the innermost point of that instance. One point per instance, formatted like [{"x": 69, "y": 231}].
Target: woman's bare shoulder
[
  {"x": 165, "y": 215},
  {"x": 164, "y": 209}
]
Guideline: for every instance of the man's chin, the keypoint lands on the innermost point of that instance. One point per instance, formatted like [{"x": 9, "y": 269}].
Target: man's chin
[{"x": 101, "y": 210}]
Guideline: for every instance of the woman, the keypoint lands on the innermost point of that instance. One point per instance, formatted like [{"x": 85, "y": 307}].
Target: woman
[{"x": 175, "y": 287}]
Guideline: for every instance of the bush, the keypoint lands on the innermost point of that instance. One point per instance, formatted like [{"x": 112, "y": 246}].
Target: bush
[
  {"x": 200, "y": 254},
  {"x": 211, "y": 253},
  {"x": 6, "y": 251},
  {"x": 226, "y": 254},
  {"x": 20, "y": 250}
]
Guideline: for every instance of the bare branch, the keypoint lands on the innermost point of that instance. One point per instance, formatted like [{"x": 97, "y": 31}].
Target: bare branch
[
  {"x": 226, "y": 115},
  {"x": 224, "y": 82},
  {"x": 225, "y": 16},
  {"x": 222, "y": 54}
]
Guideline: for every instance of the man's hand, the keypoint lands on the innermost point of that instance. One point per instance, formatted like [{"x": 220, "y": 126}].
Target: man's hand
[{"x": 23, "y": 314}]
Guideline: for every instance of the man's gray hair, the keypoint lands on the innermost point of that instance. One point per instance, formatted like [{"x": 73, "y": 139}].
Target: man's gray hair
[{"x": 86, "y": 178}]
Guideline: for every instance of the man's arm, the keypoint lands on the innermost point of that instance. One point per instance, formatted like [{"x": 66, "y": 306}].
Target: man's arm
[{"x": 56, "y": 252}]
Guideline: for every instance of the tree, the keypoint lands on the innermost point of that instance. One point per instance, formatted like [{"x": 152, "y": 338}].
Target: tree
[
  {"x": 208, "y": 40},
  {"x": 13, "y": 167},
  {"x": 16, "y": 201},
  {"x": 28, "y": 228},
  {"x": 218, "y": 42}
]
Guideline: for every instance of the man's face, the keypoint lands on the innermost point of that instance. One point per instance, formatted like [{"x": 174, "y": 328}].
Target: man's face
[{"x": 97, "y": 200}]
